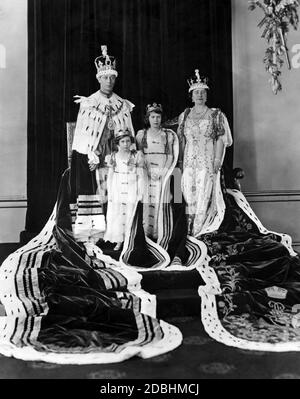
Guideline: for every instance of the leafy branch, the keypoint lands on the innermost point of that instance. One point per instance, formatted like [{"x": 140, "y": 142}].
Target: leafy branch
[{"x": 279, "y": 15}]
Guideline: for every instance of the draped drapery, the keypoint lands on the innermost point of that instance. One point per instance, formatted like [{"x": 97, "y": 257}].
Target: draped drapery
[{"x": 158, "y": 44}]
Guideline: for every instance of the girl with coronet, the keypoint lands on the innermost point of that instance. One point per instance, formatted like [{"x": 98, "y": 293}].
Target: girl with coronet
[{"x": 126, "y": 182}]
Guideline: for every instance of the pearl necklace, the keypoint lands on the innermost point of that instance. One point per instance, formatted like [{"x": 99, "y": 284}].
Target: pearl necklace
[{"x": 200, "y": 114}]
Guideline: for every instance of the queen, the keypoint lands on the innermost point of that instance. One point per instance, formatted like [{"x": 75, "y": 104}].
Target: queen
[{"x": 204, "y": 134}]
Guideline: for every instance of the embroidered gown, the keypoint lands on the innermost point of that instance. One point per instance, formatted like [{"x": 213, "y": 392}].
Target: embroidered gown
[
  {"x": 200, "y": 186},
  {"x": 159, "y": 157},
  {"x": 126, "y": 183}
]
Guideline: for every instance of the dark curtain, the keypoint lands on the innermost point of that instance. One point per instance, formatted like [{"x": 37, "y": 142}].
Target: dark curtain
[{"x": 158, "y": 44}]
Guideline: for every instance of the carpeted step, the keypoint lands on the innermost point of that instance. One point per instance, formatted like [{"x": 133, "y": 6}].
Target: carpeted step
[
  {"x": 179, "y": 302},
  {"x": 170, "y": 280},
  {"x": 176, "y": 291}
]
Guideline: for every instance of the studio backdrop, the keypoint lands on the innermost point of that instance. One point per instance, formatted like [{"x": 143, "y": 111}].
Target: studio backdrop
[{"x": 157, "y": 43}]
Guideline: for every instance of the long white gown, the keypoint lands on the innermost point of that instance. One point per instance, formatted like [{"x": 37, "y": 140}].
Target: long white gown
[
  {"x": 200, "y": 186},
  {"x": 125, "y": 186},
  {"x": 158, "y": 151}
]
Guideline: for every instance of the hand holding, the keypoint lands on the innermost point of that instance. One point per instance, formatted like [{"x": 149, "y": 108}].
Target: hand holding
[
  {"x": 93, "y": 166},
  {"x": 155, "y": 176},
  {"x": 79, "y": 99},
  {"x": 180, "y": 165},
  {"x": 217, "y": 165}
]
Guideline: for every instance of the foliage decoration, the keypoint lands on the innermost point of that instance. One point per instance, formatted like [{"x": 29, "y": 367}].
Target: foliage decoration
[{"x": 279, "y": 16}]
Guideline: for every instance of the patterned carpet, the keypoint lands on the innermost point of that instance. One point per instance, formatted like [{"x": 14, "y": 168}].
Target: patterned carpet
[{"x": 198, "y": 358}]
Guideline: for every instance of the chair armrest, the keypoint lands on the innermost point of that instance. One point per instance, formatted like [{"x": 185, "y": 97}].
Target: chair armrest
[{"x": 70, "y": 136}]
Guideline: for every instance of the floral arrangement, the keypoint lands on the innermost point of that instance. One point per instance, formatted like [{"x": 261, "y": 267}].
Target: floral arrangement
[{"x": 279, "y": 15}]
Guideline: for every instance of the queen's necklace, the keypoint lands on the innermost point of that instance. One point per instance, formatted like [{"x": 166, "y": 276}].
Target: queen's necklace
[{"x": 199, "y": 115}]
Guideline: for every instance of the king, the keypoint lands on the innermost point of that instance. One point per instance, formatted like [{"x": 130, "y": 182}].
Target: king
[{"x": 100, "y": 115}]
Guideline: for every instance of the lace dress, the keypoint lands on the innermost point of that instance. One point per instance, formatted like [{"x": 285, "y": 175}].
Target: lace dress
[
  {"x": 125, "y": 186},
  {"x": 200, "y": 186}
]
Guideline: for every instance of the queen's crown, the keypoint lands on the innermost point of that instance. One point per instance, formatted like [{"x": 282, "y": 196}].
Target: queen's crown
[{"x": 197, "y": 81}]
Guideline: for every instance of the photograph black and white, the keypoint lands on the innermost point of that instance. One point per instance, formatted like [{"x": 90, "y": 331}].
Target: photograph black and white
[{"x": 150, "y": 191}]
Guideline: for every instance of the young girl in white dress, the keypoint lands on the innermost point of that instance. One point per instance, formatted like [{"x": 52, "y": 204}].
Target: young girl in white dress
[
  {"x": 126, "y": 182},
  {"x": 157, "y": 145}
]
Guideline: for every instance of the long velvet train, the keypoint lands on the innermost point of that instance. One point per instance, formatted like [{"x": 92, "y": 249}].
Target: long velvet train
[
  {"x": 70, "y": 302},
  {"x": 251, "y": 296}
]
